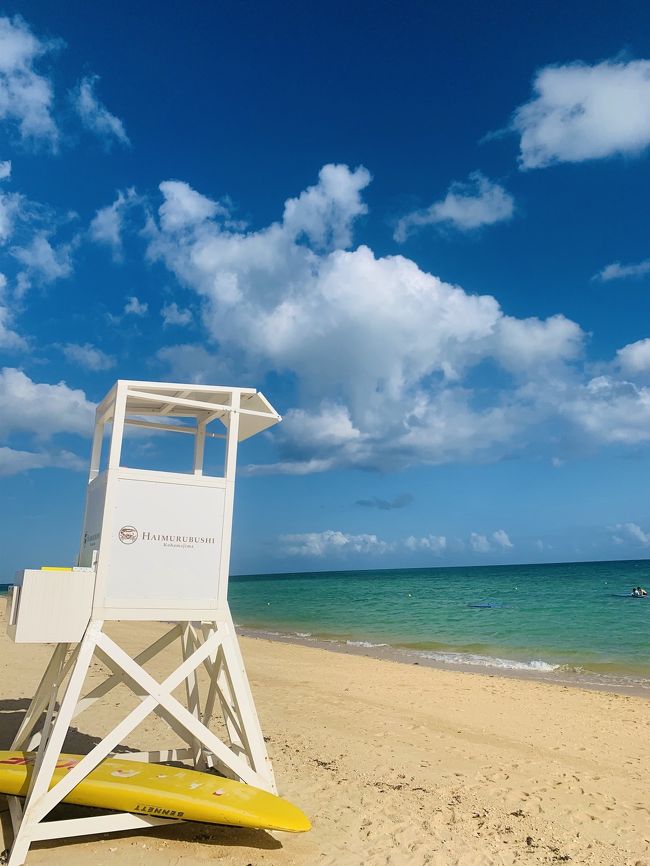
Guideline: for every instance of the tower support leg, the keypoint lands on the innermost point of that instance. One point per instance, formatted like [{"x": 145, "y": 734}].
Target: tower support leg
[{"x": 210, "y": 645}]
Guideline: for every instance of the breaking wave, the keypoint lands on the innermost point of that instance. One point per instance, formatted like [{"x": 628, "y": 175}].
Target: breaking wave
[
  {"x": 475, "y": 660},
  {"x": 364, "y": 643}
]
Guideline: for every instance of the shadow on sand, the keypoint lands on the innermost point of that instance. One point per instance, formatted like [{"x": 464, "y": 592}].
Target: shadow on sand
[{"x": 11, "y": 714}]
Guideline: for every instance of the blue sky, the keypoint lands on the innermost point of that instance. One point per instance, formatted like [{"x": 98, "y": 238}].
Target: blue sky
[{"x": 420, "y": 229}]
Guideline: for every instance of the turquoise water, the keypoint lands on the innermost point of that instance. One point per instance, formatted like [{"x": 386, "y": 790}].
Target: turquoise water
[
  {"x": 544, "y": 617},
  {"x": 549, "y": 619}
]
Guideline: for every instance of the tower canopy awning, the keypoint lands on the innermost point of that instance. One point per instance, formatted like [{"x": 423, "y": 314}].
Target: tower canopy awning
[{"x": 205, "y": 403}]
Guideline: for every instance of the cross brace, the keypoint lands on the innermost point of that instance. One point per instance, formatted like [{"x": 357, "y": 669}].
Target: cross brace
[{"x": 210, "y": 645}]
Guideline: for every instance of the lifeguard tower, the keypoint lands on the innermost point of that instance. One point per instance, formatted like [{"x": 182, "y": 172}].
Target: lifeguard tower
[{"x": 155, "y": 546}]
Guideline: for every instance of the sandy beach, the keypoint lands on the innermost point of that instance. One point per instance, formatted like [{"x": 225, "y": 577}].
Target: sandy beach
[{"x": 395, "y": 764}]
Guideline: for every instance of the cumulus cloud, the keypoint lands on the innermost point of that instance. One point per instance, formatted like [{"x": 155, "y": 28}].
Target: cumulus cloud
[
  {"x": 94, "y": 115},
  {"x": 324, "y": 213},
  {"x": 498, "y": 540},
  {"x": 526, "y": 345},
  {"x": 635, "y": 357},
  {"x": 13, "y": 462},
  {"x": 467, "y": 206},
  {"x": 617, "y": 271},
  {"x": 631, "y": 532},
  {"x": 384, "y": 355},
  {"x": 319, "y": 544},
  {"x": 174, "y": 315},
  {"x": 479, "y": 543},
  {"x": 10, "y": 340},
  {"x": 501, "y": 539},
  {"x": 87, "y": 356},
  {"x": 26, "y": 97},
  {"x": 609, "y": 410},
  {"x": 40, "y": 409},
  {"x": 580, "y": 112},
  {"x": 400, "y": 501},
  {"x": 184, "y": 207},
  {"x": 39, "y": 412},
  {"x": 12, "y": 205},
  {"x": 135, "y": 307},
  {"x": 432, "y": 543},
  {"x": 107, "y": 225},
  {"x": 44, "y": 262}
]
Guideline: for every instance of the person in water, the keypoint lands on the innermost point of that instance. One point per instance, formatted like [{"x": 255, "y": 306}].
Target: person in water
[{"x": 639, "y": 592}]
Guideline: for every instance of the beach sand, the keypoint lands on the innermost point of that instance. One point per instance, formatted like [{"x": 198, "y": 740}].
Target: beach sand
[{"x": 394, "y": 763}]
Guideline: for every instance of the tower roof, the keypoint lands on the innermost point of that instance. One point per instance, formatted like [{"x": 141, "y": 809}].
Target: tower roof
[{"x": 206, "y": 403}]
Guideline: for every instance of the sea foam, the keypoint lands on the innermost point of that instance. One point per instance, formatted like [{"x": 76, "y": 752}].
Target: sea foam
[
  {"x": 364, "y": 643},
  {"x": 475, "y": 660}
]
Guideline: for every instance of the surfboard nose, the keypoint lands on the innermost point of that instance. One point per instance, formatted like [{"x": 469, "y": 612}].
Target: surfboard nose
[{"x": 294, "y": 820}]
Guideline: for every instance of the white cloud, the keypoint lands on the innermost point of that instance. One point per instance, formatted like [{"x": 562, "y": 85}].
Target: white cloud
[
  {"x": 479, "y": 543},
  {"x": 631, "y": 532},
  {"x": 580, "y": 112},
  {"x": 433, "y": 543},
  {"x": 501, "y": 539},
  {"x": 41, "y": 409},
  {"x": 13, "y": 462},
  {"x": 324, "y": 213},
  {"x": 173, "y": 315},
  {"x": 330, "y": 426},
  {"x": 26, "y": 97},
  {"x": 291, "y": 467},
  {"x": 617, "y": 271},
  {"x": 134, "y": 307},
  {"x": 184, "y": 207},
  {"x": 608, "y": 410},
  {"x": 467, "y": 206},
  {"x": 42, "y": 261},
  {"x": 94, "y": 115},
  {"x": 107, "y": 224},
  {"x": 319, "y": 544},
  {"x": 526, "y": 345},
  {"x": 88, "y": 356},
  {"x": 12, "y": 205},
  {"x": 498, "y": 540},
  {"x": 347, "y": 322},
  {"x": 635, "y": 357},
  {"x": 9, "y": 339},
  {"x": 383, "y": 354}
]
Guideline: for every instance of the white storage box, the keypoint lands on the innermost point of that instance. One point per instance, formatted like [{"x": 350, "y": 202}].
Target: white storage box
[{"x": 48, "y": 606}]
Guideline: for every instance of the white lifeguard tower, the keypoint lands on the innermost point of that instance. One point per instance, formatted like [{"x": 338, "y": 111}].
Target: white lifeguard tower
[{"x": 155, "y": 546}]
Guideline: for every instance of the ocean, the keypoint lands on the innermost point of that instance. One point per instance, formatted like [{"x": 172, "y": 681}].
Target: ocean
[
  {"x": 573, "y": 622},
  {"x": 569, "y": 622}
]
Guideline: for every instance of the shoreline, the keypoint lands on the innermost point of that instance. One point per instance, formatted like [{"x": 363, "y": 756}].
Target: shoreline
[
  {"x": 619, "y": 684},
  {"x": 587, "y": 680}
]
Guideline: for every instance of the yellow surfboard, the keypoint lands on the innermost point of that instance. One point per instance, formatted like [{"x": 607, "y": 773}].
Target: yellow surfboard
[{"x": 161, "y": 791}]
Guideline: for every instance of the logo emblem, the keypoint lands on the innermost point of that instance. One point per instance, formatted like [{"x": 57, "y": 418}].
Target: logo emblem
[{"x": 128, "y": 534}]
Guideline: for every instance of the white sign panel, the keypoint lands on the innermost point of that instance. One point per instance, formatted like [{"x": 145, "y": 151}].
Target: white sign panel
[{"x": 164, "y": 541}]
